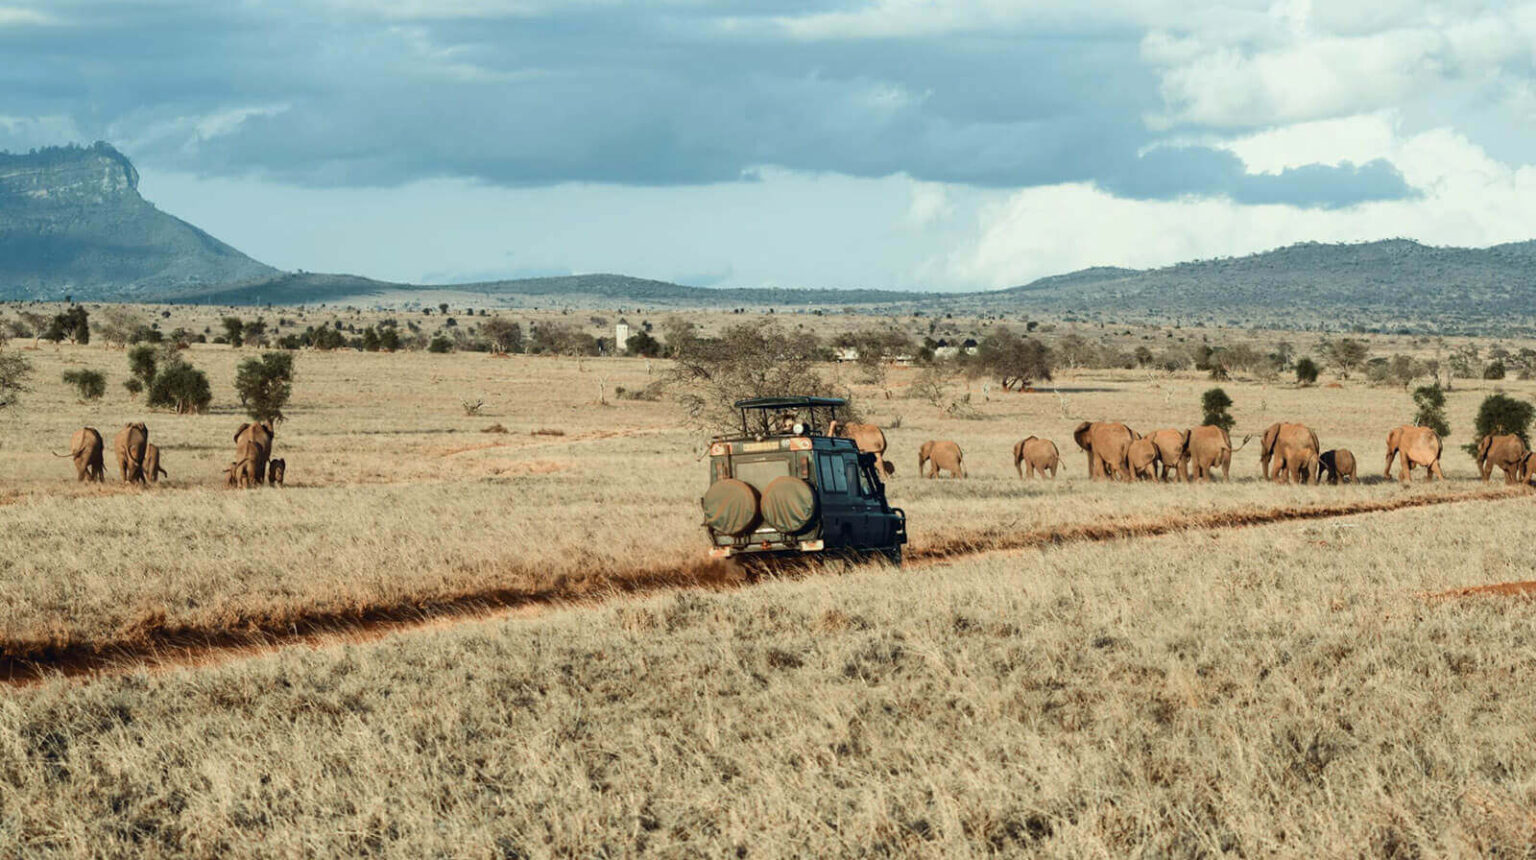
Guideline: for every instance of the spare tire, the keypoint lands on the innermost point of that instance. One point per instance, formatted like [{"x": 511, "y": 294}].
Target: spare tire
[
  {"x": 789, "y": 504},
  {"x": 730, "y": 506}
]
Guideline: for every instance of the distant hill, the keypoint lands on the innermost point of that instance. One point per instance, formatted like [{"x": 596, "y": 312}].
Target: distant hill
[
  {"x": 1390, "y": 282},
  {"x": 72, "y": 222}
]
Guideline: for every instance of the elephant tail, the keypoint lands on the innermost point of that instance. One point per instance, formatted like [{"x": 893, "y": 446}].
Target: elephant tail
[
  {"x": 66, "y": 454},
  {"x": 1245, "y": 442},
  {"x": 890, "y": 468}
]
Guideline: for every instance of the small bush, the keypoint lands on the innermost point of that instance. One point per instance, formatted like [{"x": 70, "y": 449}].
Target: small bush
[
  {"x": 134, "y": 385},
  {"x": 1306, "y": 371},
  {"x": 1496, "y": 370},
  {"x": 1431, "y": 402},
  {"x": 472, "y": 407},
  {"x": 1499, "y": 415},
  {"x": 440, "y": 344},
  {"x": 1215, "y": 404},
  {"x": 181, "y": 387},
  {"x": 90, "y": 384},
  {"x": 548, "y": 431}
]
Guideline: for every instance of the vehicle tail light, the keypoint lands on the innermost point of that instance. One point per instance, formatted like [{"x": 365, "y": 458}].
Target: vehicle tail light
[{"x": 800, "y": 444}]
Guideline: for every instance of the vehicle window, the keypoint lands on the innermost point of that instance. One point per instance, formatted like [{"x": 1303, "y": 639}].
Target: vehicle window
[
  {"x": 866, "y": 487},
  {"x": 834, "y": 479},
  {"x": 855, "y": 476}
]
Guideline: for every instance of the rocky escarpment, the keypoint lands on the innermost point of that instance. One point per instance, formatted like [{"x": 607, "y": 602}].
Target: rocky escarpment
[{"x": 72, "y": 221}]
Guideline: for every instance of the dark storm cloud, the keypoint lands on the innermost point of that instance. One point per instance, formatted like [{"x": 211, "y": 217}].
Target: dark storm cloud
[
  {"x": 1169, "y": 172},
  {"x": 628, "y": 94}
]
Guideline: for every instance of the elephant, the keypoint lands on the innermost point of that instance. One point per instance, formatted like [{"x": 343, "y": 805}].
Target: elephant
[
  {"x": 1170, "y": 453},
  {"x": 869, "y": 438},
  {"x": 1528, "y": 468},
  {"x": 1143, "y": 457},
  {"x": 1107, "y": 446},
  {"x": 85, "y": 448},
  {"x": 277, "y": 469},
  {"x": 152, "y": 470},
  {"x": 1339, "y": 465},
  {"x": 129, "y": 447},
  {"x": 1297, "y": 450},
  {"x": 1039, "y": 454},
  {"x": 242, "y": 472},
  {"x": 941, "y": 454},
  {"x": 1419, "y": 446},
  {"x": 1205, "y": 448},
  {"x": 260, "y": 434},
  {"x": 1507, "y": 452}
]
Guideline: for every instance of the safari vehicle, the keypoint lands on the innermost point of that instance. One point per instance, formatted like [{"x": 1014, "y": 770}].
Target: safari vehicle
[{"x": 782, "y": 487}]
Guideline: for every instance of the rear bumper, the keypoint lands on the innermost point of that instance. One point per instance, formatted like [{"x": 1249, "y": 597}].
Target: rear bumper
[{"x": 767, "y": 546}]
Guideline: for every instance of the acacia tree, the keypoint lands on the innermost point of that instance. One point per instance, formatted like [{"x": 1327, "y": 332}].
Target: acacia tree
[
  {"x": 504, "y": 334},
  {"x": 1349, "y": 354},
  {"x": 1015, "y": 361},
  {"x": 747, "y": 360},
  {"x": 265, "y": 384},
  {"x": 1215, "y": 403}
]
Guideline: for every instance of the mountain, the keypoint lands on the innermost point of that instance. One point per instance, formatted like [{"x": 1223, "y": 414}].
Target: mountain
[
  {"x": 1395, "y": 282},
  {"x": 311, "y": 288},
  {"x": 72, "y": 221}
]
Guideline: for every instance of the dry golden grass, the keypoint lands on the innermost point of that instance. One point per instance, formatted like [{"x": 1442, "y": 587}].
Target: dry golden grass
[
  {"x": 1268, "y": 691},
  {"x": 1276, "y": 690},
  {"x": 396, "y": 499}
]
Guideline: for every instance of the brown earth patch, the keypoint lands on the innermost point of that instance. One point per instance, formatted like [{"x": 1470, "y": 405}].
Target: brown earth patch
[
  {"x": 155, "y": 643},
  {"x": 1497, "y": 589}
]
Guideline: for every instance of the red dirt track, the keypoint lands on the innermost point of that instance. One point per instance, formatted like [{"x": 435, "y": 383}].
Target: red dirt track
[{"x": 24, "y": 662}]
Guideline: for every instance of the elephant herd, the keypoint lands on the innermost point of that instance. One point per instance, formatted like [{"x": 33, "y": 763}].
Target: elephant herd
[
  {"x": 1289, "y": 452},
  {"x": 138, "y": 460}
]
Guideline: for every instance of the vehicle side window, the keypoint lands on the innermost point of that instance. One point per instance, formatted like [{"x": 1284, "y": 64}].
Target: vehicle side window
[
  {"x": 866, "y": 485},
  {"x": 856, "y": 478},
  {"x": 834, "y": 478}
]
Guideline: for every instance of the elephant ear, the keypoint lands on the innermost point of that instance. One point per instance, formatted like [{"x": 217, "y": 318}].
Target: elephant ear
[
  {"x": 1271, "y": 433},
  {"x": 1483, "y": 445},
  {"x": 1081, "y": 434}
]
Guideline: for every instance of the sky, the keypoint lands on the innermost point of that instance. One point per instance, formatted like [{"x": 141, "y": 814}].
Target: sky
[{"x": 900, "y": 144}]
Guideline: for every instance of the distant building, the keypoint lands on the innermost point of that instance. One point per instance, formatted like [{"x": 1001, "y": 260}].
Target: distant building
[
  {"x": 621, "y": 337},
  {"x": 847, "y": 353}
]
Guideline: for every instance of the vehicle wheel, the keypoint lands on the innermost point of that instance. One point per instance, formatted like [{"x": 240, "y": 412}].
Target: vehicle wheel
[{"x": 892, "y": 555}]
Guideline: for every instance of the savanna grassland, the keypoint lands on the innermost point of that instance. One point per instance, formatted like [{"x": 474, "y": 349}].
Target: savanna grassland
[{"x": 1281, "y": 689}]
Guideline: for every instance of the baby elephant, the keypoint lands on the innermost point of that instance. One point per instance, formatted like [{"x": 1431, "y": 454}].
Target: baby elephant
[
  {"x": 1143, "y": 458},
  {"x": 941, "y": 454},
  {"x": 152, "y": 470},
  {"x": 1040, "y": 455},
  {"x": 276, "y": 469},
  {"x": 1338, "y": 464}
]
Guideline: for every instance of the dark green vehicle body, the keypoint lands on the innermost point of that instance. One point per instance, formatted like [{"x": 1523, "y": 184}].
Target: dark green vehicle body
[{"x": 839, "y": 490}]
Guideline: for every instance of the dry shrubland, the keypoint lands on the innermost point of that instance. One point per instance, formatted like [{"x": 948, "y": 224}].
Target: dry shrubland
[{"x": 1276, "y": 689}]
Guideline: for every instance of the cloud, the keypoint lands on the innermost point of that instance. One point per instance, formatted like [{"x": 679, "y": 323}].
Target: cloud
[
  {"x": 1278, "y": 116},
  {"x": 339, "y": 93},
  {"x": 1465, "y": 198}
]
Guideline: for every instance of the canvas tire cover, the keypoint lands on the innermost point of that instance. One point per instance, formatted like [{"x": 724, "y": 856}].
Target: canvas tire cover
[
  {"x": 789, "y": 504},
  {"x": 730, "y": 506}
]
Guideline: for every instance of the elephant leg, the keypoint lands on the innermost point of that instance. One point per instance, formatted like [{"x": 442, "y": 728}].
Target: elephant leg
[
  {"x": 1434, "y": 471},
  {"x": 1405, "y": 474}
]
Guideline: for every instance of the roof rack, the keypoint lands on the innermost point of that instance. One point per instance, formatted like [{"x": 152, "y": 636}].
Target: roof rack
[{"x": 813, "y": 414}]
